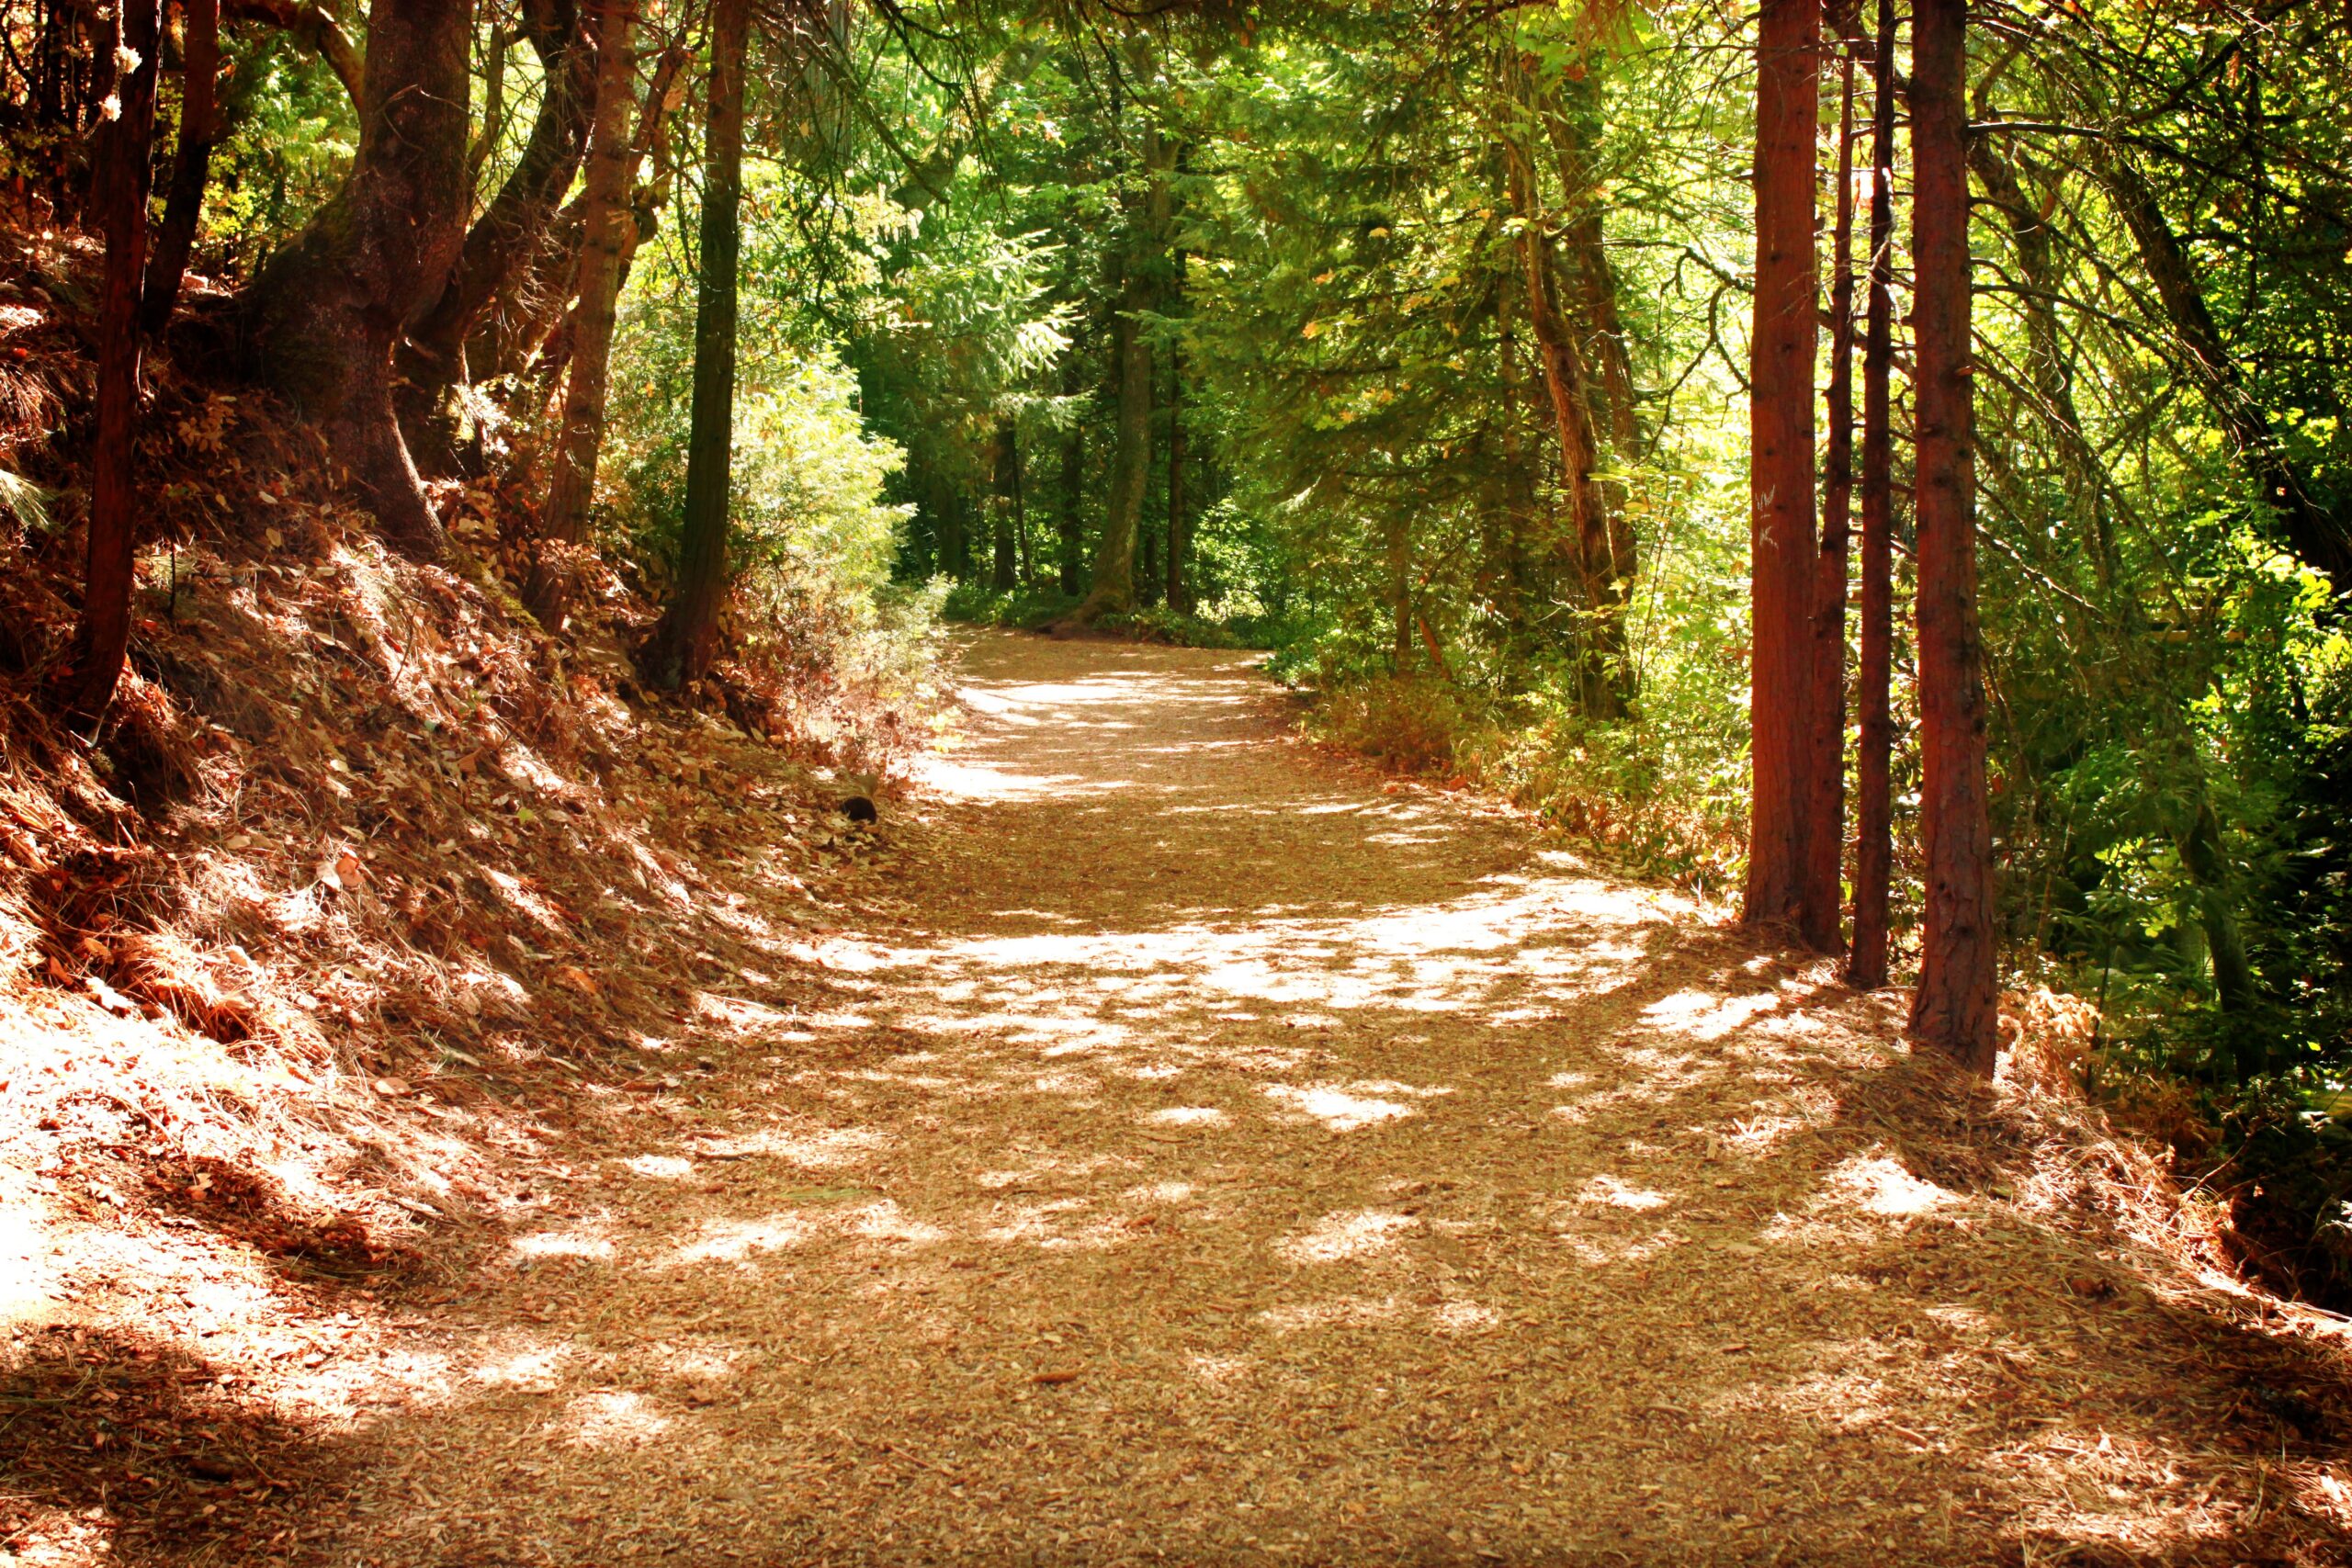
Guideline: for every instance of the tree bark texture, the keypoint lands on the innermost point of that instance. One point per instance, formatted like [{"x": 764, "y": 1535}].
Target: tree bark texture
[
  {"x": 1069, "y": 532},
  {"x": 1875, "y": 665},
  {"x": 502, "y": 239},
  {"x": 1179, "y": 591},
  {"x": 192, "y": 163},
  {"x": 687, "y": 637},
  {"x": 1825, "y": 818},
  {"x": 1113, "y": 588},
  {"x": 1004, "y": 555},
  {"x": 1785, "y": 745},
  {"x": 323, "y": 317},
  {"x": 1955, "y": 1007},
  {"x": 103, "y": 638},
  {"x": 581, "y": 433},
  {"x": 1601, "y": 590}
]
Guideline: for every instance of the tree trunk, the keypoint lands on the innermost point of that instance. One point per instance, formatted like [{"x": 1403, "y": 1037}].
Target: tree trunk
[
  {"x": 1113, "y": 591},
  {"x": 581, "y": 433},
  {"x": 1575, "y": 129},
  {"x": 1873, "y": 674},
  {"x": 1784, "y": 737},
  {"x": 1179, "y": 592},
  {"x": 1825, "y": 824},
  {"x": 528, "y": 315},
  {"x": 502, "y": 240},
  {"x": 1069, "y": 533},
  {"x": 199, "y": 133},
  {"x": 1519, "y": 485},
  {"x": 103, "y": 638},
  {"x": 1600, "y": 645},
  {"x": 323, "y": 317},
  {"x": 687, "y": 637},
  {"x": 1021, "y": 515},
  {"x": 1003, "y": 564},
  {"x": 1955, "y": 1007},
  {"x": 1396, "y": 547}
]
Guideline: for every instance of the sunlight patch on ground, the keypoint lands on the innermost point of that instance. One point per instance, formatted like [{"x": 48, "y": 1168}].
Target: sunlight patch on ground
[
  {"x": 1218, "y": 1370},
  {"x": 1189, "y": 1116},
  {"x": 736, "y": 1241},
  {"x": 1881, "y": 1186},
  {"x": 1335, "y": 1107},
  {"x": 810, "y": 1148},
  {"x": 884, "y": 1221},
  {"x": 1702, "y": 1015},
  {"x": 615, "y": 1419},
  {"x": 660, "y": 1167},
  {"x": 1338, "y": 1238},
  {"x": 1616, "y": 1194},
  {"x": 537, "y": 1368},
  {"x": 563, "y": 1243}
]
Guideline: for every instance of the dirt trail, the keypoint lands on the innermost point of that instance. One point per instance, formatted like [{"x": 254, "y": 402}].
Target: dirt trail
[{"x": 1230, "y": 1161}]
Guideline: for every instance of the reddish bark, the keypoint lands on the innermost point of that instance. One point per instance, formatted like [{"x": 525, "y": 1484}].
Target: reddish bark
[
  {"x": 199, "y": 133},
  {"x": 1955, "y": 1007},
  {"x": 119, "y": 197},
  {"x": 1824, "y": 848},
  {"x": 1875, "y": 747},
  {"x": 1785, "y": 741}
]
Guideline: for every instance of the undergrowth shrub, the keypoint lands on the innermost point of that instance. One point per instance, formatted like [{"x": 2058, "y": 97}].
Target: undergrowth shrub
[
  {"x": 831, "y": 651},
  {"x": 1654, "y": 797}
]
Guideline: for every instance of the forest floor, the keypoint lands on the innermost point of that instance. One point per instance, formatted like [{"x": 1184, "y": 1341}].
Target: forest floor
[{"x": 1208, "y": 1152}]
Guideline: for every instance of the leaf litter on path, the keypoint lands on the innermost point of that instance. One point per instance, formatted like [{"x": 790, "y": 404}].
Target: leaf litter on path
[{"x": 1212, "y": 1156}]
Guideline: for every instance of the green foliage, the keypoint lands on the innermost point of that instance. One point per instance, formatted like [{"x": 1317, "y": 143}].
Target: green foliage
[{"x": 291, "y": 136}]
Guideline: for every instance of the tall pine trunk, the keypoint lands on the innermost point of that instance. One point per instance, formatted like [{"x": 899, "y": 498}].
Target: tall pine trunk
[
  {"x": 580, "y": 434},
  {"x": 192, "y": 166},
  {"x": 1786, "y": 741},
  {"x": 1955, "y": 1007},
  {"x": 1069, "y": 531},
  {"x": 687, "y": 637},
  {"x": 1600, "y": 650},
  {"x": 1825, "y": 827},
  {"x": 1004, "y": 559},
  {"x": 103, "y": 638},
  {"x": 1179, "y": 592},
  {"x": 325, "y": 314},
  {"x": 1604, "y": 352},
  {"x": 1113, "y": 588},
  {"x": 1873, "y": 674}
]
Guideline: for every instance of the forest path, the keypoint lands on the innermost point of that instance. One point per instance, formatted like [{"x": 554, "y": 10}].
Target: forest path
[{"x": 1230, "y": 1160}]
